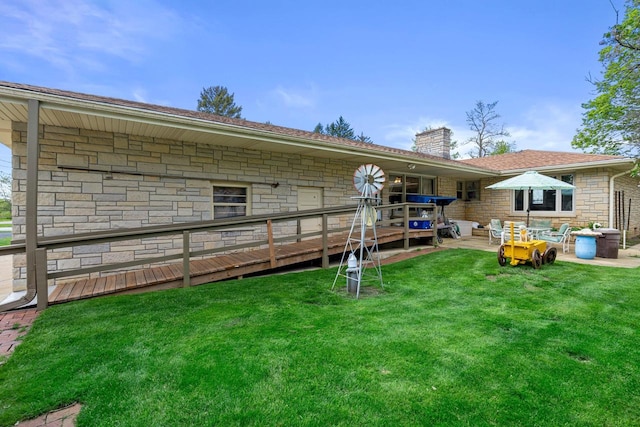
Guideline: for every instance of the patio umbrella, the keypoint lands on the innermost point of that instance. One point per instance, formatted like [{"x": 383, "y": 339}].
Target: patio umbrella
[{"x": 531, "y": 180}]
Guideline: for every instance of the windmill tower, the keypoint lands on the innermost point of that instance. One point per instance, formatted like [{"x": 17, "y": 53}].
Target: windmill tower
[{"x": 361, "y": 250}]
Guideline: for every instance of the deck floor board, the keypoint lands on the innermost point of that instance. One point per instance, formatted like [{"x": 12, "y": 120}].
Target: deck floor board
[{"x": 220, "y": 267}]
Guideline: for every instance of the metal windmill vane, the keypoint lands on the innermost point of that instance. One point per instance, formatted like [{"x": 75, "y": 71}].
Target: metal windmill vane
[{"x": 361, "y": 249}]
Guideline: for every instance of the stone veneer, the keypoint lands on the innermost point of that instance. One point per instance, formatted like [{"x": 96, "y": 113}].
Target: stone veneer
[
  {"x": 84, "y": 187},
  {"x": 95, "y": 181},
  {"x": 436, "y": 142},
  {"x": 591, "y": 198}
]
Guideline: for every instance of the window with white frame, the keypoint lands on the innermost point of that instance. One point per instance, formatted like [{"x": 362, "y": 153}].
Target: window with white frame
[
  {"x": 550, "y": 201},
  {"x": 231, "y": 200}
]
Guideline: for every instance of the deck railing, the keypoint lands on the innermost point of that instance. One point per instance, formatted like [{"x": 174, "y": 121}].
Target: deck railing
[{"x": 39, "y": 283}]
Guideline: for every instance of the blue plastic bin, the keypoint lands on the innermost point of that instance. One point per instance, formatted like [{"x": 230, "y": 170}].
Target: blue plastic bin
[
  {"x": 585, "y": 247},
  {"x": 423, "y": 224}
]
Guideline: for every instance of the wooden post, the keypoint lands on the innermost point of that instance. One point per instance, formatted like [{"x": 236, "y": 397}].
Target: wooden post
[
  {"x": 42, "y": 288},
  {"x": 186, "y": 272},
  {"x": 325, "y": 241},
  {"x": 31, "y": 202},
  {"x": 272, "y": 249},
  {"x": 405, "y": 210}
]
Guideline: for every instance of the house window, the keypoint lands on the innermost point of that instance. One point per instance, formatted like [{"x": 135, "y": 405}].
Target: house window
[
  {"x": 468, "y": 190},
  {"x": 400, "y": 185},
  {"x": 230, "y": 200},
  {"x": 550, "y": 201}
]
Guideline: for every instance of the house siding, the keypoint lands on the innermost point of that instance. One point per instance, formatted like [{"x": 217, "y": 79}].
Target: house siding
[
  {"x": 591, "y": 198},
  {"x": 447, "y": 187},
  {"x": 167, "y": 182}
]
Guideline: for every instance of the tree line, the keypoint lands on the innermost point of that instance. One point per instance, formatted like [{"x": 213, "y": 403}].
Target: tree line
[
  {"x": 488, "y": 138},
  {"x": 610, "y": 121}
]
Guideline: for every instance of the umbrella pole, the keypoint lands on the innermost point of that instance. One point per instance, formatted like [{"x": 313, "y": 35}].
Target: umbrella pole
[{"x": 529, "y": 205}]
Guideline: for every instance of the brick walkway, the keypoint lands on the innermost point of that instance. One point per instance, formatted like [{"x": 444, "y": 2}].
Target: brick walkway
[
  {"x": 13, "y": 326},
  {"x": 65, "y": 417}
]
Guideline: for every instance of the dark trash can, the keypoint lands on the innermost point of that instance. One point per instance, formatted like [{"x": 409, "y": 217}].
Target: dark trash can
[{"x": 607, "y": 245}]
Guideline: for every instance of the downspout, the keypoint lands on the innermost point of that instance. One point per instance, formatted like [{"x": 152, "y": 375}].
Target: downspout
[
  {"x": 612, "y": 203},
  {"x": 31, "y": 241}
]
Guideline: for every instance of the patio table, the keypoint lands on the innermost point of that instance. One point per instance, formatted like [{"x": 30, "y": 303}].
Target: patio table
[{"x": 535, "y": 231}]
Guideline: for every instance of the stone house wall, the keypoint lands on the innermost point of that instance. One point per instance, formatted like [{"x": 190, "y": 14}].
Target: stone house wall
[
  {"x": 591, "y": 198},
  {"x": 96, "y": 181},
  {"x": 447, "y": 187},
  {"x": 630, "y": 193}
]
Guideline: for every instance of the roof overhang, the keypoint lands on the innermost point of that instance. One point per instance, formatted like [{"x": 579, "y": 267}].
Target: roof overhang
[
  {"x": 107, "y": 116},
  {"x": 620, "y": 164}
]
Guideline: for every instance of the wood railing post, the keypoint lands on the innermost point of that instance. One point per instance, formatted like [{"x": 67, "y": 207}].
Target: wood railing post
[
  {"x": 42, "y": 288},
  {"x": 186, "y": 271},
  {"x": 325, "y": 241},
  {"x": 405, "y": 210},
  {"x": 272, "y": 249}
]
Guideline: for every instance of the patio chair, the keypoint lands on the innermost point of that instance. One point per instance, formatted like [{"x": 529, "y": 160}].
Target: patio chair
[
  {"x": 562, "y": 236},
  {"x": 495, "y": 230}
]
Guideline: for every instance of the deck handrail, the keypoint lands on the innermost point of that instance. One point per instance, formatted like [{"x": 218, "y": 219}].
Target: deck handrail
[{"x": 46, "y": 243}]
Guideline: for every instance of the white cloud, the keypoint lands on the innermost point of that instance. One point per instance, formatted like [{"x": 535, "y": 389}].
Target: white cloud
[
  {"x": 71, "y": 34},
  {"x": 548, "y": 126},
  {"x": 296, "y": 98},
  {"x": 401, "y": 135},
  {"x": 140, "y": 94}
]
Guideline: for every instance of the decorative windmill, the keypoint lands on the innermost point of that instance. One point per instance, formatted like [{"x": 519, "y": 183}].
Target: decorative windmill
[{"x": 361, "y": 250}]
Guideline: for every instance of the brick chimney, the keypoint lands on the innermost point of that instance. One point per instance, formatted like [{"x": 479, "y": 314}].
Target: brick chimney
[{"x": 436, "y": 142}]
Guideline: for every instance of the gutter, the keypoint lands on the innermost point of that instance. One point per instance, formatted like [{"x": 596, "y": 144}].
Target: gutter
[
  {"x": 28, "y": 297},
  {"x": 21, "y": 302},
  {"x": 170, "y": 117},
  {"x": 570, "y": 166},
  {"x": 177, "y": 121},
  {"x": 31, "y": 244}
]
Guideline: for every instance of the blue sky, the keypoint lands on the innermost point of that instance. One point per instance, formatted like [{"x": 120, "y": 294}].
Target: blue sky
[{"x": 389, "y": 68}]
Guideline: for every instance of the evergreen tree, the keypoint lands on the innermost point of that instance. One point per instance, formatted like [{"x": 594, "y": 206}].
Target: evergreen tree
[
  {"x": 217, "y": 100},
  {"x": 341, "y": 129}
]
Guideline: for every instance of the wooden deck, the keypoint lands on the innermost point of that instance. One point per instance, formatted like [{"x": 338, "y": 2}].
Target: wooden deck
[{"x": 212, "y": 269}]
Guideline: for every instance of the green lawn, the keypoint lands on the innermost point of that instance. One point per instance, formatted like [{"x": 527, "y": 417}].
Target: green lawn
[
  {"x": 5, "y": 241},
  {"x": 453, "y": 339}
]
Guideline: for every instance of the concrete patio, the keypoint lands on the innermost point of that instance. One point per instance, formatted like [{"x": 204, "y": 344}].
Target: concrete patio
[{"x": 627, "y": 258}]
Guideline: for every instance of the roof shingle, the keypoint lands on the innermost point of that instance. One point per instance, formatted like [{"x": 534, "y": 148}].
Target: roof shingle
[
  {"x": 531, "y": 159},
  {"x": 214, "y": 118}
]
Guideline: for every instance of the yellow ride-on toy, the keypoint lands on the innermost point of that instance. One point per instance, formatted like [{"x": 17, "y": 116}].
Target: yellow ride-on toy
[{"x": 520, "y": 252}]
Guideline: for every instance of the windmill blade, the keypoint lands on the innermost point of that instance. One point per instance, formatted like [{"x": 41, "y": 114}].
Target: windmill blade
[
  {"x": 368, "y": 179},
  {"x": 377, "y": 174}
]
